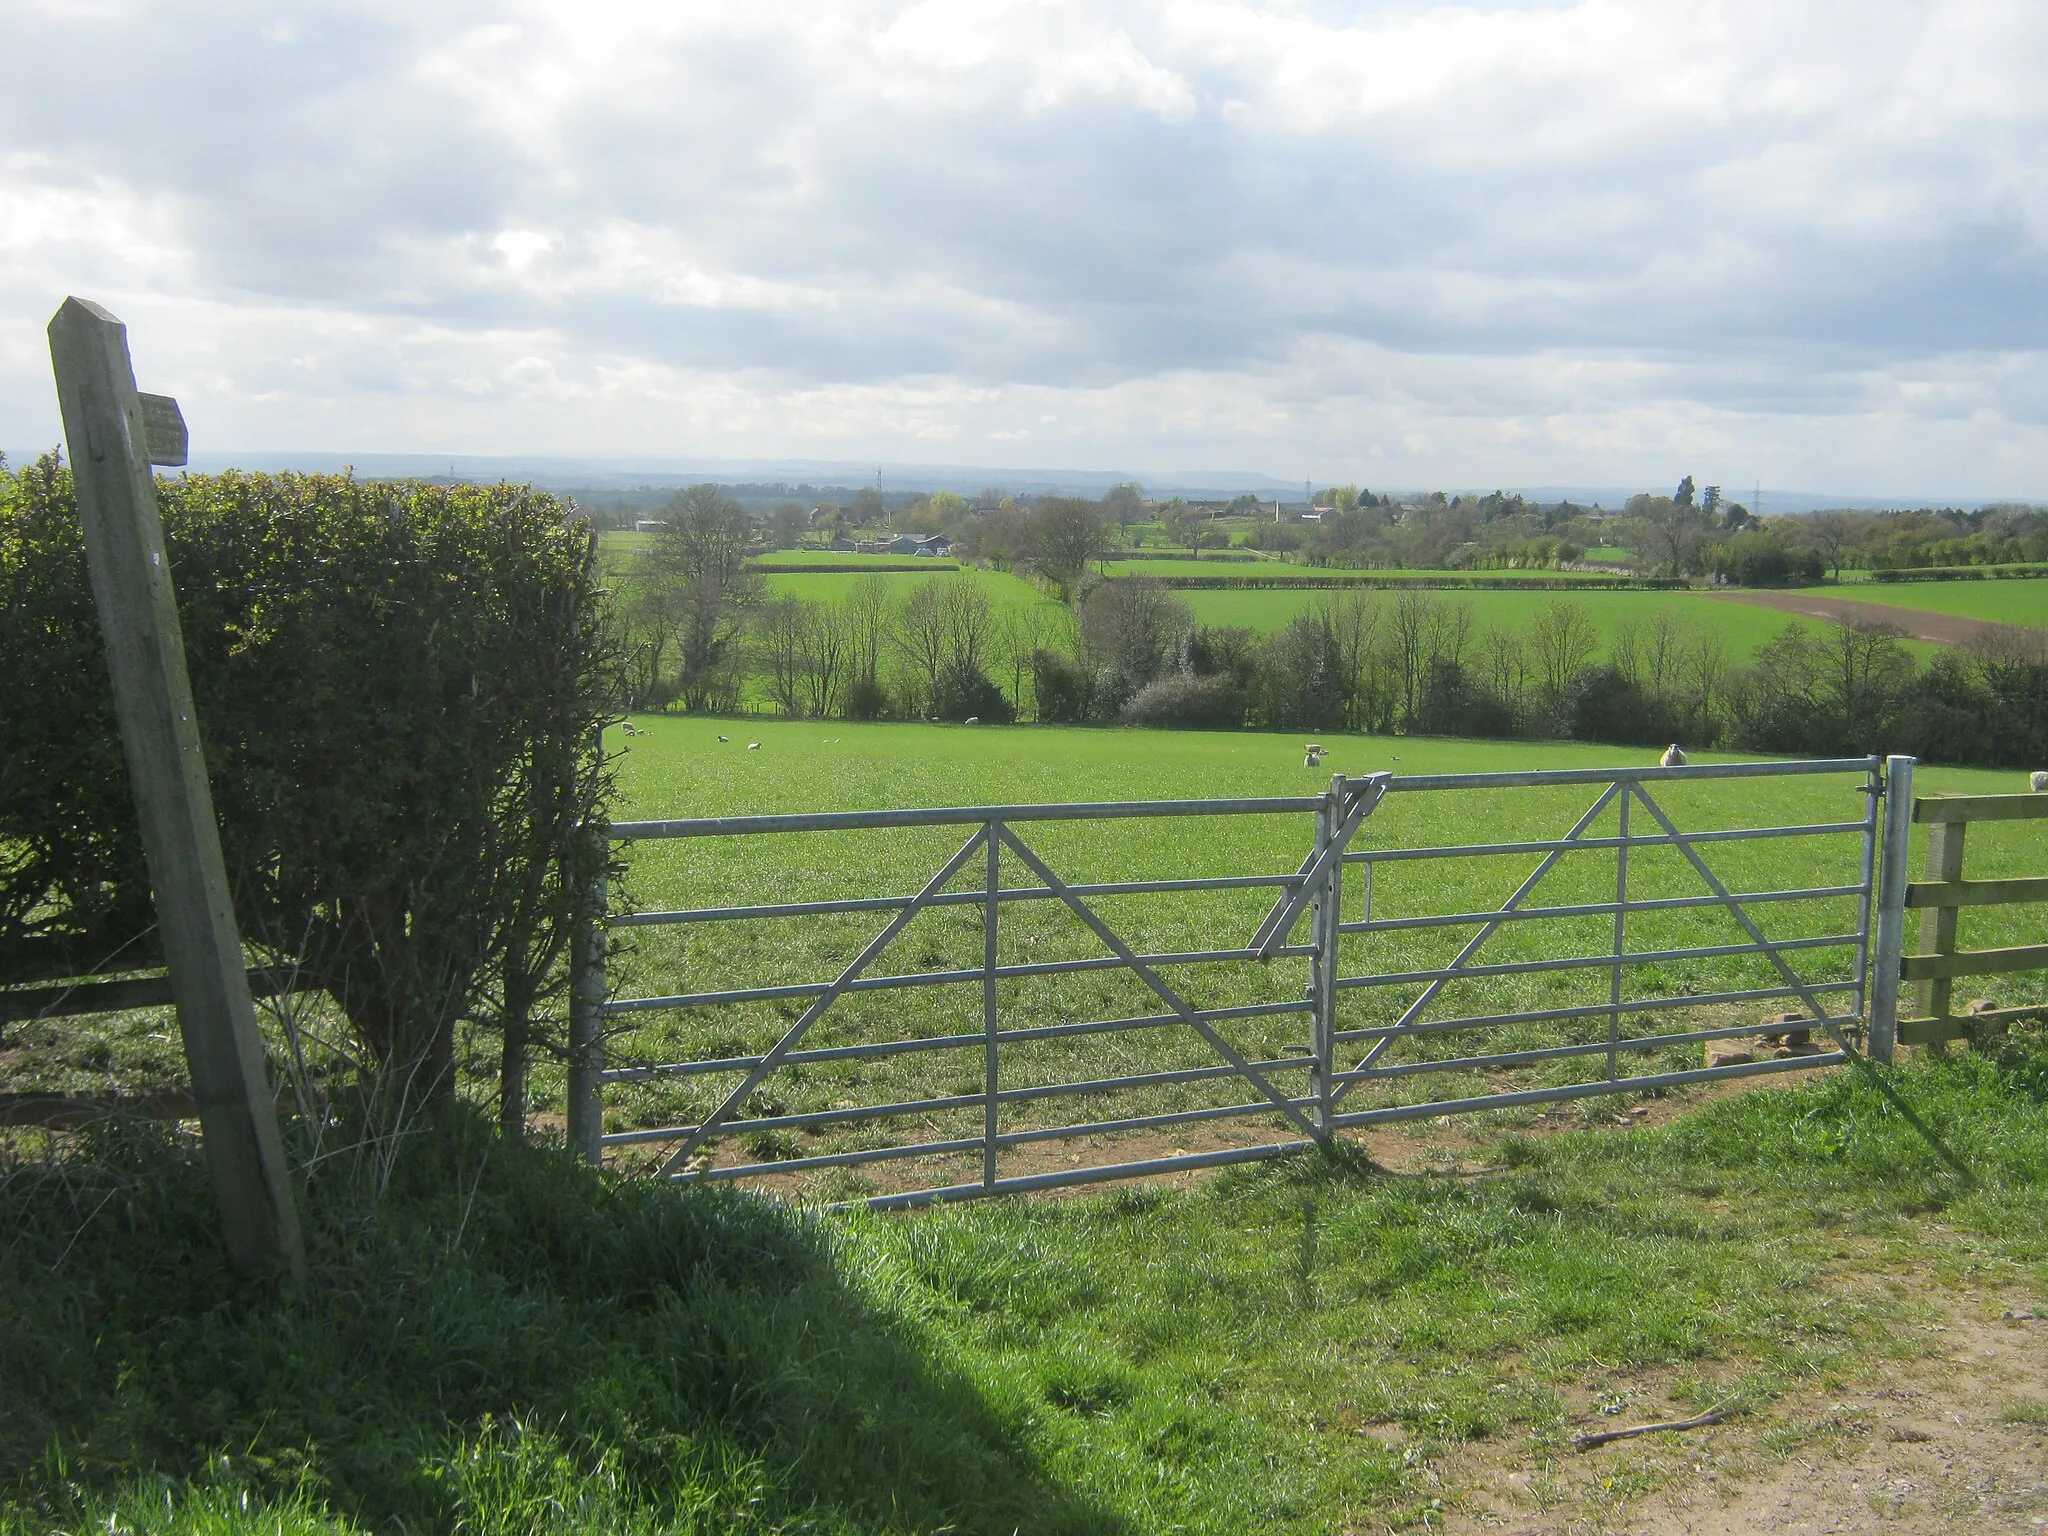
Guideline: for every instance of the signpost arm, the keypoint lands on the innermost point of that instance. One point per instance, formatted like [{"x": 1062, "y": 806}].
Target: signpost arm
[{"x": 110, "y": 432}]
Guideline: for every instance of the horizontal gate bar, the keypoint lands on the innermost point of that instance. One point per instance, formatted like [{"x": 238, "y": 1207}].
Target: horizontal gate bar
[
  {"x": 960, "y": 815},
  {"x": 1566, "y": 1052},
  {"x": 1597, "y": 962},
  {"x": 1027, "y": 1183},
  {"x": 1587, "y": 1011},
  {"x": 1597, "y": 909},
  {"x": 1587, "y": 1090},
  {"x": 877, "y": 1048},
  {"x": 949, "y": 899},
  {"x": 852, "y": 1114},
  {"x": 1575, "y": 844},
  {"x": 936, "y": 978},
  {"x": 1403, "y": 783}
]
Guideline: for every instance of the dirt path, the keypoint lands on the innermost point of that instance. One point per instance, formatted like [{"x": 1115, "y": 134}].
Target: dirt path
[
  {"x": 1936, "y": 628},
  {"x": 1954, "y": 1441}
]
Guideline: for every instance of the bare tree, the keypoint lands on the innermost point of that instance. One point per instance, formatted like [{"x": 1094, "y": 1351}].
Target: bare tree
[
  {"x": 1505, "y": 660},
  {"x": 866, "y": 618},
  {"x": 698, "y": 564},
  {"x": 823, "y": 651},
  {"x": 1562, "y": 639},
  {"x": 779, "y": 629}
]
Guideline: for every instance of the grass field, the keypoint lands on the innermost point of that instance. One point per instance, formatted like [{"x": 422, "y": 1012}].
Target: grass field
[
  {"x": 679, "y": 768},
  {"x": 492, "y": 1341},
  {"x": 1745, "y": 627},
  {"x": 1004, "y": 590},
  {"x": 835, "y": 558},
  {"x": 2018, "y": 601}
]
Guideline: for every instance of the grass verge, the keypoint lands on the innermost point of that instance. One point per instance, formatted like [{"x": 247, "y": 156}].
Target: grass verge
[{"x": 498, "y": 1341}]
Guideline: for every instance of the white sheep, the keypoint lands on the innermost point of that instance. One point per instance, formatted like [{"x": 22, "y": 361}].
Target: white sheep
[
  {"x": 1672, "y": 758},
  {"x": 972, "y": 720},
  {"x": 725, "y": 738},
  {"x": 753, "y": 746},
  {"x": 1314, "y": 755},
  {"x": 2038, "y": 783}
]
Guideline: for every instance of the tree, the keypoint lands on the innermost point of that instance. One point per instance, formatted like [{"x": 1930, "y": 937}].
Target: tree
[
  {"x": 1562, "y": 639},
  {"x": 698, "y": 564},
  {"x": 787, "y": 525},
  {"x": 1683, "y": 495},
  {"x": 1185, "y": 524},
  {"x": 1132, "y": 628},
  {"x": 867, "y": 507},
  {"x": 1831, "y": 533},
  {"x": 1066, "y": 534},
  {"x": 1125, "y": 503}
]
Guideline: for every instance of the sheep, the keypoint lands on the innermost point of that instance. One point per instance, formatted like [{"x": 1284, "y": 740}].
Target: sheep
[
  {"x": 2038, "y": 783},
  {"x": 1672, "y": 758},
  {"x": 1313, "y": 755},
  {"x": 753, "y": 746},
  {"x": 972, "y": 720},
  {"x": 725, "y": 738}
]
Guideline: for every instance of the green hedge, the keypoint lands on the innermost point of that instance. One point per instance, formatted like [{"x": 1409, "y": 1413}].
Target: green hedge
[{"x": 399, "y": 687}]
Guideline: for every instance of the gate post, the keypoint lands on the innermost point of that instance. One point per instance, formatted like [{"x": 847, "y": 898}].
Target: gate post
[
  {"x": 1891, "y": 907},
  {"x": 586, "y": 1026},
  {"x": 1329, "y": 912}
]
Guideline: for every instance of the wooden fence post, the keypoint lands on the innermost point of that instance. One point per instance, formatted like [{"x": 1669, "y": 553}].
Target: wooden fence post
[
  {"x": 112, "y": 431},
  {"x": 1938, "y": 924}
]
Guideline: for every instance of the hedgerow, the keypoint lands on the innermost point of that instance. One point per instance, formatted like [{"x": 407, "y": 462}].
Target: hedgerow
[{"x": 399, "y": 689}]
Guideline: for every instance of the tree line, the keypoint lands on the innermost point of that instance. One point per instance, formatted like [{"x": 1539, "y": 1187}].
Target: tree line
[{"x": 706, "y": 633}]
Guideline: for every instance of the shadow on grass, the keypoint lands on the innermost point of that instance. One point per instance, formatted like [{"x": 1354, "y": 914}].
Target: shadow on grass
[{"x": 500, "y": 1342}]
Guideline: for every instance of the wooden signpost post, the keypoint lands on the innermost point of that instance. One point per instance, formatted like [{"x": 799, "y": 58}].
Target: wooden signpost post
[{"x": 115, "y": 434}]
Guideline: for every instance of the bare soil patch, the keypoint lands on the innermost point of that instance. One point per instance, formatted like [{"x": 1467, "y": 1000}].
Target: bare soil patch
[
  {"x": 1953, "y": 1440},
  {"x": 1935, "y": 628}
]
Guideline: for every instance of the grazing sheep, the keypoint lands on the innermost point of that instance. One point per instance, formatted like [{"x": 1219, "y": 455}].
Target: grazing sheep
[
  {"x": 725, "y": 738},
  {"x": 972, "y": 720},
  {"x": 1314, "y": 755},
  {"x": 753, "y": 746},
  {"x": 1672, "y": 758},
  {"x": 2038, "y": 783}
]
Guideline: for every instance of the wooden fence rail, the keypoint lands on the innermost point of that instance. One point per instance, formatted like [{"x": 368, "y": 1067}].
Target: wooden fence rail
[{"x": 1940, "y": 898}]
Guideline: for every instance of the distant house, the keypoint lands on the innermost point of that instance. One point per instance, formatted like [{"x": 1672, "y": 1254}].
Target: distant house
[
  {"x": 844, "y": 545},
  {"x": 649, "y": 525},
  {"x": 938, "y": 545},
  {"x": 898, "y": 544}
]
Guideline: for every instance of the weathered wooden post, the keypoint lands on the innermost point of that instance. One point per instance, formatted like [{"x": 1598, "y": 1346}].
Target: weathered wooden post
[{"x": 114, "y": 434}]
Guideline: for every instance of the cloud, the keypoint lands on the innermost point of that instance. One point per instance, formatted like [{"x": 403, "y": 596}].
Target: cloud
[{"x": 1482, "y": 242}]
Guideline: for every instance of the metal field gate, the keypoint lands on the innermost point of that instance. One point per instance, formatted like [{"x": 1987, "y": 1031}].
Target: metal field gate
[{"x": 904, "y": 1006}]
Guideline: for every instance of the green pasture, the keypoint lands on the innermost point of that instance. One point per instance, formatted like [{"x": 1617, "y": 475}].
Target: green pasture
[
  {"x": 1004, "y": 590},
  {"x": 1744, "y": 627},
  {"x": 679, "y": 768},
  {"x": 2019, "y": 601},
  {"x": 831, "y": 557}
]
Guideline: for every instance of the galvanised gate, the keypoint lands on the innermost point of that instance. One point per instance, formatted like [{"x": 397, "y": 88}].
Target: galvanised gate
[{"x": 1400, "y": 964}]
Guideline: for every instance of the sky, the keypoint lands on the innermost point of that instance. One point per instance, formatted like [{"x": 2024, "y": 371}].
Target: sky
[{"x": 1399, "y": 244}]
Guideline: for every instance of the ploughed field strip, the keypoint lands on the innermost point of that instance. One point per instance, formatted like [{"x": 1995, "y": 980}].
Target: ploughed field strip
[{"x": 1094, "y": 1065}]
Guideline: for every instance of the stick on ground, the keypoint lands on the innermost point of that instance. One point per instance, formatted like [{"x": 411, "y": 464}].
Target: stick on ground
[{"x": 1701, "y": 1421}]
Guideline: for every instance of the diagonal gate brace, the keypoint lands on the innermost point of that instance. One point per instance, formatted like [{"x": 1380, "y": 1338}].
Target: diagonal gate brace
[
  {"x": 802, "y": 1026},
  {"x": 1151, "y": 978}
]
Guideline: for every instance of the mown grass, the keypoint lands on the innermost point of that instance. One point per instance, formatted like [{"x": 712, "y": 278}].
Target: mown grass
[{"x": 502, "y": 1342}]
